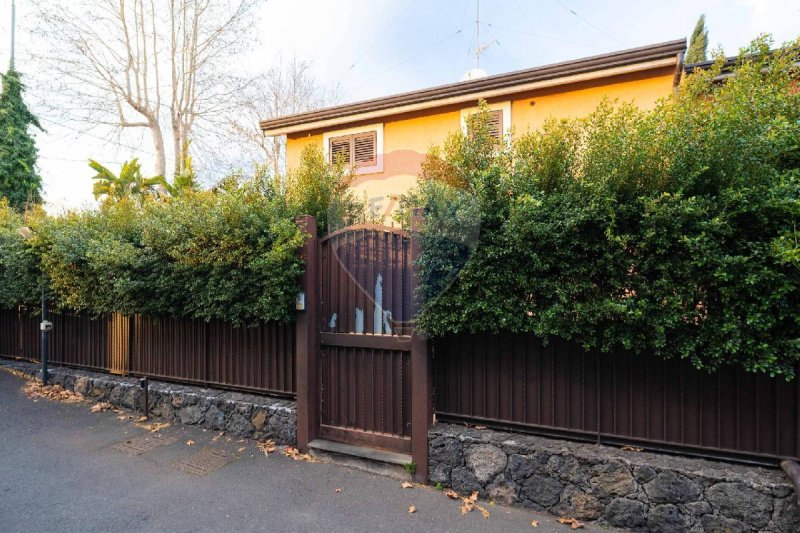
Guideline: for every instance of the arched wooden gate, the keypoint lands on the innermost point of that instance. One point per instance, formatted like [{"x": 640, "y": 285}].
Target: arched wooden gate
[
  {"x": 365, "y": 283},
  {"x": 363, "y": 376}
]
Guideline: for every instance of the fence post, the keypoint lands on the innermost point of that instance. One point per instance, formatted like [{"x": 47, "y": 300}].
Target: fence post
[
  {"x": 421, "y": 383},
  {"x": 307, "y": 347}
]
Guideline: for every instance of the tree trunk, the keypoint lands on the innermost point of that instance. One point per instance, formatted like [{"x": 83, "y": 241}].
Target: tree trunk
[
  {"x": 158, "y": 145},
  {"x": 276, "y": 150},
  {"x": 176, "y": 146}
]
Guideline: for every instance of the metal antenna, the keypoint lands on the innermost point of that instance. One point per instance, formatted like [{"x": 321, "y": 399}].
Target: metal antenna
[{"x": 479, "y": 48}]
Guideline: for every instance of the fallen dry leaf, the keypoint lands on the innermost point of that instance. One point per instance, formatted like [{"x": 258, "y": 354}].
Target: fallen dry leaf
[
  {"x": 267, "y": 447},
  {"x": 295, "y": 454},
  {"x": 629, "y": 448},
  {"x": 142, "y": 419},
  {"x": 534, "y": 523},
  {"x": 240, "y": 450},
  {"x": 122, "y": 417},
  {"x": 574, "y": 524},
  {"x": 450, "y": 493},
  {"x": 412, "y": 509},
  {"x": 217, "y": 437},
  {"x": 483, "y": 511},
  {"x": 155, "y": 426},
  {"x": 98, "y": 407},
  {"x": 17, "y": 373},
  {"x": 338, "y": 491},
  {"x": 35, "y": 390},
  {"x": 190, "y": 442},
  {"x": 480, "y": 427},
  {"x": 406, "y": 485}
]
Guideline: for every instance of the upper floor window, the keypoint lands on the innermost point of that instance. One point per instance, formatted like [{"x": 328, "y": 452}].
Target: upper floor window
[
  {"x": 496, "y": 124},
  {"x": 499, "y": 119},
  {"x": 356, "y": 149}
]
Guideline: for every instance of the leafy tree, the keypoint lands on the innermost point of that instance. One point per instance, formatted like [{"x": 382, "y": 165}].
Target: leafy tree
[
  {"x": 320, "y": 188},
  {"x": 19, "y": 181},
  {"x": 698, "y": 43}
]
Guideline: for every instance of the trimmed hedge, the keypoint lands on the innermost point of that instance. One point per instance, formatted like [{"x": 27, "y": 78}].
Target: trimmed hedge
[
  {"x": 672, "y": 230},
  {"x": 231, "y": 253}
]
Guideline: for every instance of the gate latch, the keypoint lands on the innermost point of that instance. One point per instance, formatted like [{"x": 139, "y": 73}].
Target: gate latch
[{"x": 46, "y": 325}]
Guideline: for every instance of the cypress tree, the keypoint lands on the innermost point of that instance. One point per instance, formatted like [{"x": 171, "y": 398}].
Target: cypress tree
[
  {"x": 698, "y": 43},
  {"x": 19, "y": 181}
]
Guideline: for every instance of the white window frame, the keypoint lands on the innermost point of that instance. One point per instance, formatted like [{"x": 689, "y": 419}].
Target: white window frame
[
  {"x": 505, "y": 107},
  {"x": 360, "y": 170}
]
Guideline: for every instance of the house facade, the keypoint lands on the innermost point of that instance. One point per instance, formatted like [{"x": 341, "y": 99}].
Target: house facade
[{"x": 386, "y": 139}]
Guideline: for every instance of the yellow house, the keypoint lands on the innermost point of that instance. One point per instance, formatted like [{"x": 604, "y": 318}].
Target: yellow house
[{"x": 386, "y": 139}]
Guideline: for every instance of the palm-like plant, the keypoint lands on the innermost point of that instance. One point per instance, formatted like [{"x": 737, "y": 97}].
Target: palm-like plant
[{"x": 129, "y": 183}]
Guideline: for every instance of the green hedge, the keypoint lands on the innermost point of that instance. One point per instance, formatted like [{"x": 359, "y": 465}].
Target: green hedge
[
  {"x": 231, "y": 253},
  {"x": 19, "y": 273},
  {"x": 671, "y": 231}
]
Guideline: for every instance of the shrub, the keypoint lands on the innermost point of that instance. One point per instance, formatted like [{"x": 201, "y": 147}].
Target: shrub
[
  {"x": 231, "y": 255},
  {"x": 317, "y": 187},
  {"x": 19, "y": 273},
  {"x": 671, "y": 230}
]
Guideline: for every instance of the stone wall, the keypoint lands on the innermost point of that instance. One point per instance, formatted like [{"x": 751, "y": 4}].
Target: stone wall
[
  {"x": 242, "y": 415},
  {"x": 629, "y": 489}
]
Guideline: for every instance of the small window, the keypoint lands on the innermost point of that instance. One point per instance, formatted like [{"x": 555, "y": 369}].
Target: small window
[
  {"x": 359, "y": 149},
  {"x": 496, "y": 124}
]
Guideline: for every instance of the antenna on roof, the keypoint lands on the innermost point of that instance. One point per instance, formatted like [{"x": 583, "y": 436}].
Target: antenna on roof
[{"x": 478, "y": 72}]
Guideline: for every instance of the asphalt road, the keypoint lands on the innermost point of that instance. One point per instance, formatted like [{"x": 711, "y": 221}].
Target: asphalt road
[{"x": 60, "y": 471}]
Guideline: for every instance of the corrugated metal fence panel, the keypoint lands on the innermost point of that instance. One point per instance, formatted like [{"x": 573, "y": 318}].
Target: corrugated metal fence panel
[
  {"x": 366, "y": 389},
  {"x": 29, "y": 335},
  {"x": 9, "y": 332},
  {"x": 168, "y": 348},
  {"x": 258, "y": 359},
  {"x": 78, "y": 339},
  {"x": 513, "y": 379}
]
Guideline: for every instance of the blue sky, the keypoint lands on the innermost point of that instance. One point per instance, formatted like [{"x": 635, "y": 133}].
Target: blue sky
[{"x": 378, "y": 47}]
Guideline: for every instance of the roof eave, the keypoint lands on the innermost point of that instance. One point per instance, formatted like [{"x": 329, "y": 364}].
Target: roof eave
[{"x": 644, "y": 58}]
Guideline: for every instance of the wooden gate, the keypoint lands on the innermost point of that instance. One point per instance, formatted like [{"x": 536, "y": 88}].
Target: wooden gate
[{"x": 364, "y": 321}]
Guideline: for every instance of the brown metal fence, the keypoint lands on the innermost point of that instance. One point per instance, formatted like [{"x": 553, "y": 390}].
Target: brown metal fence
[
  {"x": 258, "y": 359},
  {"x": 513, "y": 380}
]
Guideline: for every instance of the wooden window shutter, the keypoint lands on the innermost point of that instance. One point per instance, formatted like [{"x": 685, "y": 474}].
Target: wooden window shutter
[
  {"x": 496, "y": 124},
  {"x": 340, "y": 149},
  {"x": 365, "y": 148}
]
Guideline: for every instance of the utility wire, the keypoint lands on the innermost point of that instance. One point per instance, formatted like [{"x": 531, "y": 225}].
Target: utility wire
[
  {"x": 546, "y": 36},
  {"x": 403, "y": 62},
  {"x": 534, "y": 32},
  {"x": 381, "y": 34},
  {"x": 559, "y": 2}
]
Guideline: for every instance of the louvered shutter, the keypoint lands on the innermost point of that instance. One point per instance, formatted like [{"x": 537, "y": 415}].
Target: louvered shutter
[
  {"x": 340, "y": 150},
  {"x": 496, "y": 124},
  {"x": 364, "y": 149}
]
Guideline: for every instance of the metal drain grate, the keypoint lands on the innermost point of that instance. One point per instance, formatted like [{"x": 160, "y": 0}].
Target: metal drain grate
[
  {"x": 205, "y": 461},
  {"x": 143, "y": 444}
]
